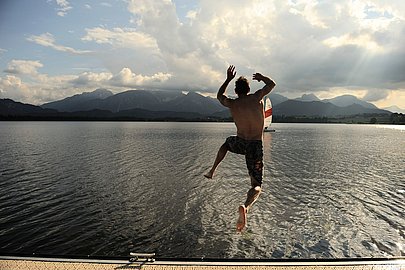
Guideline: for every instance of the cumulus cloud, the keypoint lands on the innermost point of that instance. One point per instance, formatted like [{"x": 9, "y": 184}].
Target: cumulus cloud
[
  {"x": 23, "y": 67},
  {"x": 91, "y": 78},
  {"x": 24, "y": 83},
  {"x": 304, "y": 45},
  {"x": 35, "y": 88},
  {"x": 12, "y": 87},
  {"x": 47, "y": 40},
  {"x": 187, "y": 55},
  {"x": 126, "y": 78}
]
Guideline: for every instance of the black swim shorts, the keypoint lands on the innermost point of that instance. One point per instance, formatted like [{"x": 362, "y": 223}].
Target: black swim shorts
[{"x": 253, "y": 152}]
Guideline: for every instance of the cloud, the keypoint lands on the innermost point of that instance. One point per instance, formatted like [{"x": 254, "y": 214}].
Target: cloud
[
  {"x": 91, "y": 78},
  {"x": 187, "y": 55},
  {"x": 35, "y": 88},
  {"x": 126, "y": 47},
  {"x": 47, "y": 40},
  {"x": 126, "y": 78},
  {"x": 12, "y": 87},
  {"x": 364, "y": 40},
  {"x": 25, "y": 84},
  {"x": 120, "y": 38},
  {"x": 305, "y": 45},
  {"x": 376, "y": 95},
  {"x": 64, "y": 7},
  {"x": 311, "y": 11},
  {"x": 23, "y": 67}
]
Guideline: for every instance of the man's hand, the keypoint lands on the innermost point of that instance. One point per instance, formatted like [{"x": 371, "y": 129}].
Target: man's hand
[
  {"x": 258, "y": 77},
  {"x": 270, "y": 84},
  {"x": 230, "y": 73}
]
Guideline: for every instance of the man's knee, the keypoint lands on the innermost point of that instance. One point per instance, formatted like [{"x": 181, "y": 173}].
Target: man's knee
[
  {"x": 255, "y": 182},
  {"x": 225, "y": 147}
]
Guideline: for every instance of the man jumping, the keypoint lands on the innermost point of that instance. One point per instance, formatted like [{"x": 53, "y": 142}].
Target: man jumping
[{"x": 248, "y": 114}]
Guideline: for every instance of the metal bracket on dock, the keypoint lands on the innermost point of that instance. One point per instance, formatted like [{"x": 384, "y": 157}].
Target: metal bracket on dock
[{"x": 144, "y": 257}]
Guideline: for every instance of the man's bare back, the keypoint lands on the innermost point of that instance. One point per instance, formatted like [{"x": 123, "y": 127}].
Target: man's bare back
[{"x": 247, "y": 112}]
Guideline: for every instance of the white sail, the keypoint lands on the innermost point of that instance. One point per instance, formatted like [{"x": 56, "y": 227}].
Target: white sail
[{"x": 268, "y": 114}]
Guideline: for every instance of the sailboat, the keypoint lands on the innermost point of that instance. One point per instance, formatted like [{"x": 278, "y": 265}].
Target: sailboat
[{"x": 268, "y": 115}]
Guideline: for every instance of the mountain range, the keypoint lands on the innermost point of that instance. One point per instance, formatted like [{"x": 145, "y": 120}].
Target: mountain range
[
  {"x": 138, "y": 99},
  {"x": 308, "y": 104},
  {"x": 147, "y": 104}
]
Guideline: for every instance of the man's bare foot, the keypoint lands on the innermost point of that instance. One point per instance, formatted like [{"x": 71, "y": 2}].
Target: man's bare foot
[
  {"x": 242, "y": 220},
  {"x": 209, "y": 175}
]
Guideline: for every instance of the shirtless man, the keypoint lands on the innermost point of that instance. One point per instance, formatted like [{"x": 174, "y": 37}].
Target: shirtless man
[{"x": 248, "y": 114}]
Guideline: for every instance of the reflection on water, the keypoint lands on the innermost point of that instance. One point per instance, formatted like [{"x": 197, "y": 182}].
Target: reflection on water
[
  {"x": 396, "y": 127},
  {"x": 111, "y": 188}
]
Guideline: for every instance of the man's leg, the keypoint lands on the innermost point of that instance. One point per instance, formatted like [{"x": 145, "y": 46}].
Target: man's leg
[
  {"x": 252, "y": 196},
  {"x": 220, "y": 156},
  {"x": 254, "y": 162}
]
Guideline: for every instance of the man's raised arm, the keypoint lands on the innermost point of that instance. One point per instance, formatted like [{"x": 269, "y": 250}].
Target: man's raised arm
[
  {"x": 270, "y": 84},
  {"x": 230, "y": 74}
]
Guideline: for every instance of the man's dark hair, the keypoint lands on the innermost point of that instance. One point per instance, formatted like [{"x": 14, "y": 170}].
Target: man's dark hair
[{"x": 242, "y": 86}]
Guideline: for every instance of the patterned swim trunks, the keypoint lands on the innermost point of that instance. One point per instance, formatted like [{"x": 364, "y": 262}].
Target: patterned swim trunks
[{"x": 253, "y": 152}]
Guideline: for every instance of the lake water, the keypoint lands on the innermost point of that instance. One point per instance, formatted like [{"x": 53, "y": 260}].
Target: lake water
[{"x": 110, "y": 188}]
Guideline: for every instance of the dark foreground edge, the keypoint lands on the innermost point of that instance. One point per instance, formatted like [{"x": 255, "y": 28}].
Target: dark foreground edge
[{"x": 208, "y": 261}]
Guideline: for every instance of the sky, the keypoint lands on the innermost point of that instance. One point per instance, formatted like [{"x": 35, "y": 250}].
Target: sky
[{"x": 51, "y": 49}]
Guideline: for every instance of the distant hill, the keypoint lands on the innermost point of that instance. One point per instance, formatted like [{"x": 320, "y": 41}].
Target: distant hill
[
  {"x": 127, "y": 100},
  {"x": 347, "y": 100},
  {"x": 395, "y": 109},
  {"x": 277, "y": 99},
  {"x": 78, "y": 102},
  {"x": 308, "y": 98},
  {"x": 11, "y": 107},
  {"x": 193, "y": 102},
  {"x": 321, "y": 109},
  {"x": 10, "y": 110}
]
